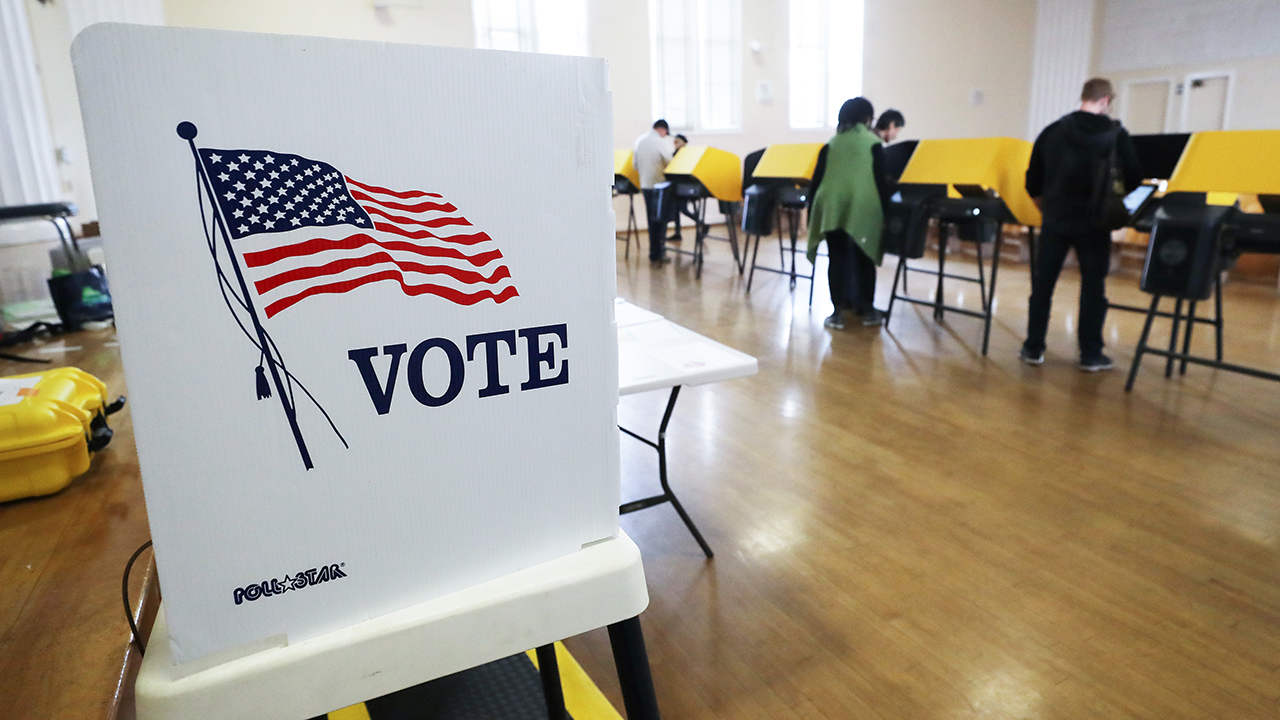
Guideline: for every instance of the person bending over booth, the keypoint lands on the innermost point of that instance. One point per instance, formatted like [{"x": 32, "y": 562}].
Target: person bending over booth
[
  {"x": 847, "y": 195},
  {"x": 889, "y": 125},
  {"x": 651, "y": 154}
]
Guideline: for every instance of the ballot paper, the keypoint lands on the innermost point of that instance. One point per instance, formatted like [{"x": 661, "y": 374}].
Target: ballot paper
[{"x": 628, "y": 314}]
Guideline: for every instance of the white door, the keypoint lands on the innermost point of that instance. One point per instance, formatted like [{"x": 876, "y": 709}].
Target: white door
[
  {"x": 1204, "y": 102},
  {"x": 1146, "y": 104}
]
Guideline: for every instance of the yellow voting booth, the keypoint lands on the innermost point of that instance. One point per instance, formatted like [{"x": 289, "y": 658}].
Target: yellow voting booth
[
  {"x": 1230, "y": 161},
  {"x": 974, "y": 185},
  {"x": 1222, "y": 200},
  {"x": 996, "y": 164},
  {"x": 719, "y": 171},
  {"x": 694, "y": 175},
  {"x": 780, "y": 186},
  {"x": 626, "y": 181},
  {"x": 624, "y": 168},
  {"x": 793, "y": 161}
]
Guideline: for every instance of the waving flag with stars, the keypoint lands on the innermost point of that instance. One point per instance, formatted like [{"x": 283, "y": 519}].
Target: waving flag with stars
[{"x": 305, "y": 229}]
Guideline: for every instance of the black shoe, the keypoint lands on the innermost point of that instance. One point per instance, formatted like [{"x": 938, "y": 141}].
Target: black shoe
[
  {"x": 675, "y": 239},
  {"x": 872, "y": 318},
  {"x": 1027, "y": 357},
  {"x": 1096, "y": 363},
  {"x": 834, "y": 322}
]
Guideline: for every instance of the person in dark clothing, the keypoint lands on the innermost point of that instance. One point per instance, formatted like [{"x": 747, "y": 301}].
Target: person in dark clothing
[
  {"x": 890, "y": 124},
  {"x": 847, "y": 198},
  {"x": 1061, "y": 179}
]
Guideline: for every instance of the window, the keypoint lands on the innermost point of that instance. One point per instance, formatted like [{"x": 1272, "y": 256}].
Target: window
[
  {"x": 826, "y": 59},
  {"x": 558, "y": 27},
  {"x": 695, "y": 49}
]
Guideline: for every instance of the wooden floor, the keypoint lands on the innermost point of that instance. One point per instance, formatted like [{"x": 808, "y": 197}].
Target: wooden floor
[
  {"x": 65, "y": 648},
  {"x": 907, "y": 529}
]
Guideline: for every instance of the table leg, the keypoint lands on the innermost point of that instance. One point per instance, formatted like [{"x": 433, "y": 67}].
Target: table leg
[
  {"x": 551, "y": 688},
  {"x": 629, "y": 656},
  {"x": 667, "y": 494}
]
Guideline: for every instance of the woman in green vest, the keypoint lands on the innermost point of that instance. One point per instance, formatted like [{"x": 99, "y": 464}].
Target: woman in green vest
[{"x": 848, "y": 193}]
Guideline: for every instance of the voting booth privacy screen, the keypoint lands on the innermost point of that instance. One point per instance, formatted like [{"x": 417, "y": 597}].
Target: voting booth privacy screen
[{"x": 364, "y": 295}]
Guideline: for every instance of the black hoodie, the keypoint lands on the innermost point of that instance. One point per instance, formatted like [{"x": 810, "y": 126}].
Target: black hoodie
[{"x": 1060, "y": 173}]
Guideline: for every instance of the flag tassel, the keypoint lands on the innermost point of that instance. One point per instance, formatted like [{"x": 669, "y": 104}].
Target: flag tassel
[{"x": 264, "y": 387}]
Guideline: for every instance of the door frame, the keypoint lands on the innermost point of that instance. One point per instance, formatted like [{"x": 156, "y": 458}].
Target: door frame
[
  {"x": 1168, "y": 80},
  {"x": 1185, "y": 115}
]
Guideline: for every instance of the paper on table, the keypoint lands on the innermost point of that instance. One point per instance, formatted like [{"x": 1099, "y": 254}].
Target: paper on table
[
  {"x": 696, "y": 355},
  {"x": 635, "y": 368},
  {"x": 651, "y": 332},
  {"x": 628, "y": 314}
]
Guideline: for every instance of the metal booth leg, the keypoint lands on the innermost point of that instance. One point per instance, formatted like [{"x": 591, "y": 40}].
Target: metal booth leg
[
  {"x": 1217, "y": 319},
  {"x": 942, "y": 264},
  {"x": 667, "y": 495},
  {"x": 982, "y": 278},
  {"x": 1142, "y": 343},
  {"x": 1173, "y": 337},
  {"x": 899, "y": 272},
  {"x": 1186, "y": 339},
  {"x": 754, "y": 253},
  {"x": 702, "y": 230},
  {"x": 991, "y": 294},
  {"x": 632, "y": 662},
  {"x": 551, "y": 688},
  {"x": 791, "y": 230},
  {"x": 632, "y": 226},
  {"x": 732, "y": 227}
]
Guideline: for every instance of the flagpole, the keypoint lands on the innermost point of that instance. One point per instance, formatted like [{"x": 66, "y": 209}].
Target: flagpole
[{"x": 187, "y": 131}]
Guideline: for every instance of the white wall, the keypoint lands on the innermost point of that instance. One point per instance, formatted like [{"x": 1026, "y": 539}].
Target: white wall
[
  {"x": 923, "y": 57},
  {"x": 430, "y": 22},
  {"x": 1170, "y": 39},
  {"x": 1149, "y": 34}
]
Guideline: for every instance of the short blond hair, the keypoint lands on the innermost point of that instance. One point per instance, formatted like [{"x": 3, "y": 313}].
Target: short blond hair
[{"x": 1096, "y": 89}]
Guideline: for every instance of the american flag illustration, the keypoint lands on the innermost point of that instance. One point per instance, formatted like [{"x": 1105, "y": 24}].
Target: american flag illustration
[{"x": 305, "y": 229}]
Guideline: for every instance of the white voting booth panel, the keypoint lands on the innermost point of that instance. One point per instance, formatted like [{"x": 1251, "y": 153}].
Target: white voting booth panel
[
  {"x": 596, "y": 586},
  {"x": 371, "y": 363}
]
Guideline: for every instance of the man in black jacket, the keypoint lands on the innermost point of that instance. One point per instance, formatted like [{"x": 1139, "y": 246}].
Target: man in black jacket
[{"x": 1062, "y": 179}]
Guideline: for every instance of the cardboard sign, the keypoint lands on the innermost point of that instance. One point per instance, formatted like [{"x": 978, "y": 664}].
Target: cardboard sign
[{"x": 364, "y": 294}]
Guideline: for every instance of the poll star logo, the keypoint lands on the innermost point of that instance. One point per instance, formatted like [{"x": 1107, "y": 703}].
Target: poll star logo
[
  {"x": 315, "y": 231},
  {"x": 279, "y": 586}
]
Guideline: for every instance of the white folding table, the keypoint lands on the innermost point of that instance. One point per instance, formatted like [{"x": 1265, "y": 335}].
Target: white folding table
[{"x": 655, "y": 353}]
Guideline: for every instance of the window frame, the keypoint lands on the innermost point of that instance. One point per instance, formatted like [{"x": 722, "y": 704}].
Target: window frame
[
  {"x": 528, "y": 37},
  {"x": 835, "y": 49},
  {"x": 694, "y": 48}
]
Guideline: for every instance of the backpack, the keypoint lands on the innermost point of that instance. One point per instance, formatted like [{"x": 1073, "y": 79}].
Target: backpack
[{"x": 1106, "y": 192}]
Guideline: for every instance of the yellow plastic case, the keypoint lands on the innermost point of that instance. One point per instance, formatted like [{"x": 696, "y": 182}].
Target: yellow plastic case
[{"x": 49, "y": 423}]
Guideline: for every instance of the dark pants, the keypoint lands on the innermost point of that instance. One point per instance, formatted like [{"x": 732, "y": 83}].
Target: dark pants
[
  {"x": 657, "y": 226},
  {"x": 1093, "y": 250},
  {"x": 850, "y": 274}
]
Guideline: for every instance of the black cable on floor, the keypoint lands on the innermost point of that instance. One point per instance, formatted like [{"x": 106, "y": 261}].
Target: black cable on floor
[{"x": 124, "y": 594}]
